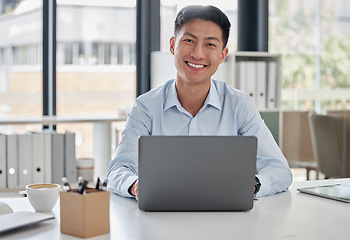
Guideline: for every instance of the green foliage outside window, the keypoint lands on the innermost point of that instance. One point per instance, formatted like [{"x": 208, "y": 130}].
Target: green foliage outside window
[{"x": 301, "y": 33}]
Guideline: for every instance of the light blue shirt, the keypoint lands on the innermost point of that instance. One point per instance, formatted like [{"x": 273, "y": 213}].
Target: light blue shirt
[{"x": 226, "y": 111}]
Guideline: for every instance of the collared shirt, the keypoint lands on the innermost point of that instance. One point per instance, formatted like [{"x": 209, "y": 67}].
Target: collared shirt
[{"x": 226, "y": 111}]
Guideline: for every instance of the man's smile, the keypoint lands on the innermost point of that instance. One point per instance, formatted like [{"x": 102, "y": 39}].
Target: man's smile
[{"x": 196, "y": 66}]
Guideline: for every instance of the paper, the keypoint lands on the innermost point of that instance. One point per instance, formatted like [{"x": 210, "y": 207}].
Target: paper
[
  {"x": 4, "y": 208},
  {"x": 15, "y": 220}
]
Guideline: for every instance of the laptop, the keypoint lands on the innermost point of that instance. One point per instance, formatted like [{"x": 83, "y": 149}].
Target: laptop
[{"x": 197, "y": 173}]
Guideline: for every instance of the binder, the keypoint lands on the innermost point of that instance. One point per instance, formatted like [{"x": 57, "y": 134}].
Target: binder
[
  {"x": 236, "y": 75},
  {"x": 3, "y": 169},
  {"x": 12, "y": 160},
  {"x": 70, "y": 164},
  {"x": 38, "y": 157},
  {"x": 272, "y": 83},
  {"x": 225, "y": 72},
  {"x": 47, "y": 135},
  {"x": 24, "y": 159},
  {"x": 250, "y": 84},
  {"x": 261, "y": 80},
  {"x": 242, "y": 78},
  {"x": 57, "y": 157}
]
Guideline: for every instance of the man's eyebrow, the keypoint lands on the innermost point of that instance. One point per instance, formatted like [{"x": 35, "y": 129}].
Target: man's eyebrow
[
  {"x": 190, "y": 34},
  {"x": 212, "y": 38},
  {"x": 207, "y": 38}
]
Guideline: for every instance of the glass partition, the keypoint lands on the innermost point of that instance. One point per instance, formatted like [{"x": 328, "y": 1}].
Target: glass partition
[
  {"x": 20, "y": 61},
  {"x": 96, "y": 72}
]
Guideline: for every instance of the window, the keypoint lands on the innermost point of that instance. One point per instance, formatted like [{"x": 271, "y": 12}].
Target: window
[
  {"x": 20, "y": 61},
  {"x": 313, "y": 38},
  {"x": 28, "y": 54},
  {"x": 170, "y": 8},
  {"x": 95, "y": 63}
]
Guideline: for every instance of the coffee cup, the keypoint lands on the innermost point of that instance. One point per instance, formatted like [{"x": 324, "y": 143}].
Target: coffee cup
[{"x": 43, "y": 196}]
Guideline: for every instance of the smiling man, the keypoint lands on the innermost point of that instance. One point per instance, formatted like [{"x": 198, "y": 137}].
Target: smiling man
[
  {"x": 198, "y": 48},
  {"x": 195, "y": 104}
]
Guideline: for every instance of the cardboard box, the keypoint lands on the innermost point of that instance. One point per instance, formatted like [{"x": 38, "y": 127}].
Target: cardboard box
[{"x": 84, "y": 215}]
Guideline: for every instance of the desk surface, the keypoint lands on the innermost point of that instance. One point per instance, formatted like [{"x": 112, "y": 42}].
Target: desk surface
[{"x": 288, "y": 215}]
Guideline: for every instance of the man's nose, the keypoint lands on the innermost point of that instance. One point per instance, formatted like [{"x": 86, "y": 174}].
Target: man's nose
[{"x": 197, "y": 51}]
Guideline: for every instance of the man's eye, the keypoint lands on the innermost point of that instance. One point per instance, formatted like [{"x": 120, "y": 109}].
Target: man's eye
[
  {"x": 211, "y": 45},
  {"x": 188, "y": 40}
]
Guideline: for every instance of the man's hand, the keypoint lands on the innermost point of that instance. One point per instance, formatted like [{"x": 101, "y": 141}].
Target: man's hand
[{"x": 134, "y": 189}]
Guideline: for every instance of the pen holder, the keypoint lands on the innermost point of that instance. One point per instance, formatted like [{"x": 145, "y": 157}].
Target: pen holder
[{"x": 84, "y": 215}]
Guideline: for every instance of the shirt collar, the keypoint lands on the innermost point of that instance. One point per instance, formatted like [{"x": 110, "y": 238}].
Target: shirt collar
[
  {"x": 212, "y": 98},
  {"x": 171, "y": 99}
]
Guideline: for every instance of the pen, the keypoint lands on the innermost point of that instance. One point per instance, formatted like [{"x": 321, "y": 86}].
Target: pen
[
  {"x": 98, "y": 184},
  {"x": 66, "y": 185},
  {"x": 104, "y": 185},
  {"x": 80, "y": 180},
  {"x": 82, "y": 187}
]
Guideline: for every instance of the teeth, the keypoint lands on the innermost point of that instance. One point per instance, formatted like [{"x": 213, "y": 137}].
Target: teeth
[{"x": 194, "y": 65}]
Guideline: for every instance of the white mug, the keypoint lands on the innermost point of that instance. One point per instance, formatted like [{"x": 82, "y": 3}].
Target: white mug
[{"x": 43, "y": 196}]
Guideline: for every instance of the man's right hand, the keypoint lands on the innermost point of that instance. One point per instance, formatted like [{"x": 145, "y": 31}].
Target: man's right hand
[{"x": 134, "y": 189}]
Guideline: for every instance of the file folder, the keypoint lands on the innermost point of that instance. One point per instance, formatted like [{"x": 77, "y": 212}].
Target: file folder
[
  {"x": 3, "y": 169},
  {"x": 12, "y": 160},
  {"x": 47, "y": 156},
  {"x": 70, "y": 164},
  {"x": 261, "y": 80},
  {"x": 272, "y": 83},
  {"x": 57, "y": 157},
  {"x": 24, "y": 159},
  {"x": 38, "y": 157}
]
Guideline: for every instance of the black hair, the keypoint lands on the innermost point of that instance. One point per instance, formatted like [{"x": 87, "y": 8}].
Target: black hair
[{"x": 206, "y": 13}]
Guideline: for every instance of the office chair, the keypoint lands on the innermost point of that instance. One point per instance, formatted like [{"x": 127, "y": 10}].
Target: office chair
[
  {"x": 296, "y": 141},
  {"x": 328, "y": 137}
]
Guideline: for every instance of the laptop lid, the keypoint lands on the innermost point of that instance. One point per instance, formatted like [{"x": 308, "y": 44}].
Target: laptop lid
[{"x": 197, "y": 173}]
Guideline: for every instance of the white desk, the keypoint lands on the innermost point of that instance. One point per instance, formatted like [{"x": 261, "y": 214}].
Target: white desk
[
  {"x": 289, "y": 215},
  {"x": 102, "y": 129}
]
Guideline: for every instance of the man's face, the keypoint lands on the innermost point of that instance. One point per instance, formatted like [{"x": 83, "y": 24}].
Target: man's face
[{"x": 198, "y": 51}]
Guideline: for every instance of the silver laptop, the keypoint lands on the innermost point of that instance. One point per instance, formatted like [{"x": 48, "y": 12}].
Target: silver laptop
[{"x": 197, "y": 173}]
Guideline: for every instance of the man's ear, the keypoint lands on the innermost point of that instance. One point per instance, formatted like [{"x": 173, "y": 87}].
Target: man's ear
[
  {"x": 224, "y": 53},
  {"x": 172, "y": 44}
]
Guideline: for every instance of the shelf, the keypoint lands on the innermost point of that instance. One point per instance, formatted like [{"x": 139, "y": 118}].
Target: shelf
[{"x": 102, "y": 132}]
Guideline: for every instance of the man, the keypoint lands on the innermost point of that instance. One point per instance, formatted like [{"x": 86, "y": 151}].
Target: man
[{"x": 194, "y": 104}]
